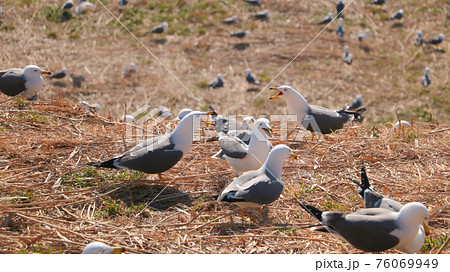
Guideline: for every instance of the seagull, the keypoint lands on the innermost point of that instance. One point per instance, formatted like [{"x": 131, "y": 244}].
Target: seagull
[
  {"x": 250, "y": 77},
  {"x": 60, "y": 74},
  {"x": 425, "y": 80},
  {"x": 347, "y": 57},
  {"x": 263, "y": 15},
  {"x": 159, "y": 154},
  {"x": 131, "y": 69},
  {"x": 256, "y": 188},
  {"x": 377, "y": 2},
  {"x": 402, "y": 123},
  {"x": 339, "y": 8},
  {"x": 418, "y": 39},
  {"x": 217, "y": 83},
  {"x": 67, "y": 5},
  {"x": 376, "y": 229},
  {"x": 24, "y": 82},
  {"x": 240, "y": 34},
  {"x": 231, "y": 20},
  {"x": 243, "y": 157},
  {"x": 254, "y": 2},
  {"x": 101, "y": 248},
  {"x": 90, "y": 108},
  {"x": 123, "y": 2},
  {"x": 224, "y": 124},
  {"x": 340, "y": 30},
  {"x": 160, "y": 28},
  {"x": 244, "y": 133},
  {"x": 397, "y": 15},
  {"x": 436, "y": 40},
  {"x": 364, "y": 35},
  {"x": 327, "y": 19},
  {"x": 316, "y": 118}
]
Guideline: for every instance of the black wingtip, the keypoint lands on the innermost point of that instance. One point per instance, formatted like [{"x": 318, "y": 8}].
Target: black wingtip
[
  {"x": 364, "y": 179},
  {"x": 214, "y": 113},
  {"x": 315, "y": 212},
  {"x": 106, "y": 164}
]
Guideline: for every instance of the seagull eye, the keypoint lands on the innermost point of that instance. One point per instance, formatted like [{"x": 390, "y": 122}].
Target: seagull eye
[{"x": 35, "y": 70}]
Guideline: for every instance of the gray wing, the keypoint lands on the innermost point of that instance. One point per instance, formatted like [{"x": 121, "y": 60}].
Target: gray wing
[
  {"x": 252, "y": 186},
  {"x": 233, "y": 147},
  {"x": 324, "y": 119},
  {"x": 12, "y": 82},
  {"x": 152, "y": 156},
  {"x": 244, "y": 135},
  {"x": 367, "y": 229}
]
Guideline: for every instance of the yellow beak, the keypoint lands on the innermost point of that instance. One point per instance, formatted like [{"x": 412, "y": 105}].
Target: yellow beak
[
  {"x": 118, "y": 250},
  {"x": 46, "y": 73},
  {"x": 277, "y": 95},
  {"x": 293, "y": 156},
  {"x": 208, "y": 122},
  {"x": 426, "y": 228},
  {"x": 268, "y": 131}
]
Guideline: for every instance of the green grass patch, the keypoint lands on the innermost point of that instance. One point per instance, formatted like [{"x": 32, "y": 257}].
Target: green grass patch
[
  {"x": 55, "y": 14},
  {"x": 431, "y": 243}
]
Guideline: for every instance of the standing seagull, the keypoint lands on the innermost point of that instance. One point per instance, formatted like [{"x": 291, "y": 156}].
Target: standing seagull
[
  {"x": 326, "y": 19},
  {"x": 67, "y": 5},
  {"x": 376, "y": 229},
  {"x": 418, "y": 39},
  {"x": 26, "y": 82},
  {"x": 263, "y": 15},
  {"x": 254, "y": 2},
  {"x": 240, "y": 34},
  {"x": 130, "y": 69},
  {"x": 378, "y": 2},
  {"x": 347, "y": 57},
  {"x": 436, "y": 40},
  {"x": 243, "y": 157},
  {"x": 250, "y": 77},
  {"x": 158, "y": 154},
  {"x": 425, "y": 80},
  {"x": 60, "y": 74},
  {"x": 364, "y": 35},
  {"x": 217, "y": 83},
  {"x": 231, "y": 20},
  {"x": 259, "y": 187},
  {"x": 316, "y": 118},
  {"x": 340, "y": 30},
  {"x": 397, "y": 15},
  {"x": 159, "y": 28},
  {"x": 339, "y": 8}
]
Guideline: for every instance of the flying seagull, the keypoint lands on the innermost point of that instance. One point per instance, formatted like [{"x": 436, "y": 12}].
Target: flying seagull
[
  {"x": 254, "y": 2},
  {"x": 60, "y": 74},
  {"x": 339, "y": 8},
  {"x": 250, "y": 77},
  {"x": 397, "y": 15},
  {"x": 240, "y": 34},
  {"x": 364, "y": 35},
  {"x": 24, "y": 82},
  {"x": 159, "y": 154},
  {"x": 326, "y": 20},
  {"x": 347, "y": 57},
  {"x": 418, "y": 39},
  {"x": 316, "y": 118},
  {"x": 101, "y": 248},
  {"x": 436, "y": 40},
  {"x": 243, "y": 157},
  {"x": 256, "y": 188},
  {"x": 376, "y": 229},
  {"x": 231, "y": 20},
  {"x": 67, "y": 5},
  {"x": 217, "y": 83},
  {"x": 160, "y": 28},
  {"x": 340, "y": 30},
  {"x": 425, "y": 80},
  {"x": 263, "y": 15}
]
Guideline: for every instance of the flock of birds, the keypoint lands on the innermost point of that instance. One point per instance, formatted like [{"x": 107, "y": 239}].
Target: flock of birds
[{"x": 384, "y": 224}]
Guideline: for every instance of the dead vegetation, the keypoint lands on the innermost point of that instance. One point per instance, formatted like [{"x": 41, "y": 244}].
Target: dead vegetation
[{"x": 51, "y": 202}]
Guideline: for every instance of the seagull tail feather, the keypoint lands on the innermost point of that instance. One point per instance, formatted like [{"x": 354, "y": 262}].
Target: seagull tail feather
[
  {"x": 316, "y": 213},
  {"x": 358, "y": 102},
  {"x": 105, "y": 164},
  {"x": 356, "y": 114}
]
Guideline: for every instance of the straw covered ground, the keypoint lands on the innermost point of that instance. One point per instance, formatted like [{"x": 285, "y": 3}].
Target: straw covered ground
[{"x": 52, "y": 202}]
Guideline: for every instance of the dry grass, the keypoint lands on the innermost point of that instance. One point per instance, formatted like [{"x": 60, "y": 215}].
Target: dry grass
[{"x": 51, "y": 202}]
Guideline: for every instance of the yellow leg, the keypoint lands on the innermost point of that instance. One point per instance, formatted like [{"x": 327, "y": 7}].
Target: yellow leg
[
  {"x": 261, "y": 208},
  {"x": 243, "y": 212},
  {"x": 313, "y": 135},
  {"x": 160, "y": 176}
]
